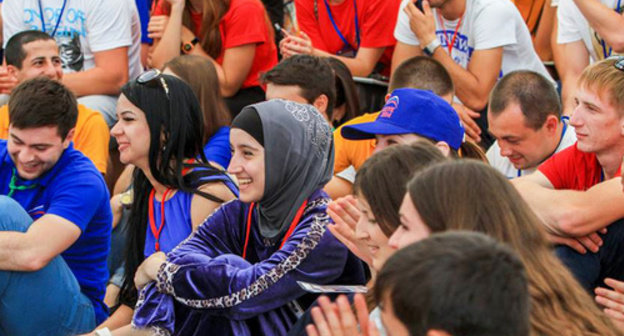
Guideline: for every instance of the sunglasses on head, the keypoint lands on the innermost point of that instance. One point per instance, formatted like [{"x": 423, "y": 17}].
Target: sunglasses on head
[
  {"x": 619, "y": 64},
  {"x": 153, "y": 78}
]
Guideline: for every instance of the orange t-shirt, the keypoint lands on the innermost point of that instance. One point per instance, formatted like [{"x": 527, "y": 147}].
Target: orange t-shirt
[
  {"x": 352, "y": 152},
  {"x": 90, "y": 138}
]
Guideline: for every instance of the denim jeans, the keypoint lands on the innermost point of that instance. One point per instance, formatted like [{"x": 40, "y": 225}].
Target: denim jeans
[
  {"x": 44, "y": 302},
  {"x": 590, "y": 269}
]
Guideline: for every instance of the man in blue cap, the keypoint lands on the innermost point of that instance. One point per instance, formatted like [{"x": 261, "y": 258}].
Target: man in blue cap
[{"x": 412, "y": 115}]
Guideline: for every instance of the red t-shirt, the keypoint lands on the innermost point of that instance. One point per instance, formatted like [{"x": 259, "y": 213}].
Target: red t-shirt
[
  {"x": 573, "y": 169},
  {"x": 245, "y": 22},
  {"x": 376, "y": 19}
]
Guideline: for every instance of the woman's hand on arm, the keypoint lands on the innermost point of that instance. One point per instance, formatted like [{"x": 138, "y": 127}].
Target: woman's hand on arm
[{"x": 148, "y": 269}]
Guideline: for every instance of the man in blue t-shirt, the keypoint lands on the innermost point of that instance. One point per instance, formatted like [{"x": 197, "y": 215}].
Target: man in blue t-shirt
[{"x": 55, "y": 219}]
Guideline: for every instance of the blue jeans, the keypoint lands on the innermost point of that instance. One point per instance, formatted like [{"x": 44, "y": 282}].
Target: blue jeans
[
  {"x": 44, "y": 302},
  {"x": 590, "y": 269}
]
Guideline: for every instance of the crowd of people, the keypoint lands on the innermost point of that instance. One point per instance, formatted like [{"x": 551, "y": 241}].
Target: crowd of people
[{"x": 192, "y": 167}]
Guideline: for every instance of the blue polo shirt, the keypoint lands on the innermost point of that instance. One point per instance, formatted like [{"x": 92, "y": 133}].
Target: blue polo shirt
[{"x": 75, "y": 190}]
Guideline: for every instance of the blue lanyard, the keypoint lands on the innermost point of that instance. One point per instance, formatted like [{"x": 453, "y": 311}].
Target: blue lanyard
[
  {"x": 58, "y": 21},
  {"x": 602, "y": 42},
  {"x": 357, "y": 26},
  {"x": 565, "y": 120}
]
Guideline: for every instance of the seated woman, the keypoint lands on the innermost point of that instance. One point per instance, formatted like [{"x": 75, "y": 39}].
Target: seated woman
[
  {"x": 347, "y": 104},
  {"x": 237, "y": 274},
  {"x": 442, "y": 198},
  {"x": 357, "y": 32},
  {"x": 201, "y": 76},
  {"x": 235, "y": 35},
  {"x": 160, "y": 132}
]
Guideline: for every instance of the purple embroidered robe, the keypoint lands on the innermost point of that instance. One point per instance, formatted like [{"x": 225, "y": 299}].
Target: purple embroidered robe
[{"x": 206, "y": 288}]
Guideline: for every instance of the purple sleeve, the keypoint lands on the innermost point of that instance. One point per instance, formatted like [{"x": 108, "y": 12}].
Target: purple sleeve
[{"x": 230, "y": 286}]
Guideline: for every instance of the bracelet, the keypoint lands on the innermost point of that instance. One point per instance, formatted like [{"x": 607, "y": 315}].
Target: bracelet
[{"x": 103, "y": 332}]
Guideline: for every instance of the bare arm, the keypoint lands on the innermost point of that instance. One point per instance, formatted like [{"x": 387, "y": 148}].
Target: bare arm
[
  {"x": 605, "y": 21},
  {"x": 572, "y": 213},
  {"x": 107, "y": 77},
  {"x": 472, "y": 85},
  {"x": 166, "y": 42},
  {"x": 202, "y": 207},
  {"x": 402, "y": 52},
  {"x": 32, "y": 250},
  {"x": 576, "y": 60},
  {"x": 542, "y": 41}
]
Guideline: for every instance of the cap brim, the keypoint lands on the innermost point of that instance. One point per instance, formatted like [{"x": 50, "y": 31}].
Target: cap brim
[{"x": 370, "y": 129}]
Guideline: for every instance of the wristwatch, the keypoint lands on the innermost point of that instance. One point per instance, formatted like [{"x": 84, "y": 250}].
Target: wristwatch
[
  {"x": 188, "y": 46},
  {"x": 430, "y": 48}
]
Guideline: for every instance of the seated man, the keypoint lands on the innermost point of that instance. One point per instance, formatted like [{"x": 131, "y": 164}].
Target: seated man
[
  {"x": 31, "y": 54},
  {"x": 577, "y": 191},
  {"x": 525, "y": 119},
  {"x": 99, "y": 42},
  {"x": 438, "y": 287},
  {"x": 56, "y": 219},
  {"x": 317, "y": 87}
]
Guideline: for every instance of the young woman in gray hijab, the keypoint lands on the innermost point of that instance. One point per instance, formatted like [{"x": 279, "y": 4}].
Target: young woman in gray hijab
[{"x": 237, "y": 274}]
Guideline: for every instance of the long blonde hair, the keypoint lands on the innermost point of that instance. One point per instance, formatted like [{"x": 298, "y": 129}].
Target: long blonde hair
[{"x": 469, "y": 195}]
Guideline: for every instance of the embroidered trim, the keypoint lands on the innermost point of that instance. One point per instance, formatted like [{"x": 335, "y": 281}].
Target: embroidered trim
[
  {"x": 164, "y": 277},
  {"x": 154, "y": 330},
  {"x": 307, "y": 244}
]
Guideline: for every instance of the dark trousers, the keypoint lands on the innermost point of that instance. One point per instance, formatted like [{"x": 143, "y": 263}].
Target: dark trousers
[{"x": 590, "y": 269}]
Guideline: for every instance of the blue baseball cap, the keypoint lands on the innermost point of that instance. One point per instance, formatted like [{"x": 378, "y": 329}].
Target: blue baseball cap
[{"x": 412, "y": 111}]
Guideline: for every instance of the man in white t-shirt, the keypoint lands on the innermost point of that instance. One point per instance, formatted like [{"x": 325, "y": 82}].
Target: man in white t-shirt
[
  {"x": 99, "y": 42},
  {"x": 587, "y": 31},
  {"x": 477, "y": 41},
  {"x": 524, "y": 115}
]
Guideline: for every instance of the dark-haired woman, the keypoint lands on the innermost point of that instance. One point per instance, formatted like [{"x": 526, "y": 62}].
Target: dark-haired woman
[
  {"x": 238, "y": 273},
  {"x": 235, "y": 35},
  {"x": 160, "y": 132}
]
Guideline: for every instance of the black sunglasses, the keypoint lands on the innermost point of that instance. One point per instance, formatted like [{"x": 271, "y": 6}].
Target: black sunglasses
[
  {"x": 619, "y": 64},
  {"x": 152, "y": 78}
]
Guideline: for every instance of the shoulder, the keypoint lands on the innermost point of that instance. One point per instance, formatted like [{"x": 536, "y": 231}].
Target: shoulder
[
  {"x": 245, "y": 6},
  {"x": 492, "y": 9}
]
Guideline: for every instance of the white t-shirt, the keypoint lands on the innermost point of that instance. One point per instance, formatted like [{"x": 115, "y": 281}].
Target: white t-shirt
[
  {"x": 486, "y": 24},
  {"x": 503, "y": 165},
  {"x": 85, "y": 27},
  {"x": 572, "y": 27}
]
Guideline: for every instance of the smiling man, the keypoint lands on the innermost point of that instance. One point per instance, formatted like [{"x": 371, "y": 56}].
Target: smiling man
[
  {"x": 55, "y": 219},
  {"x": 525, "y": 119}
]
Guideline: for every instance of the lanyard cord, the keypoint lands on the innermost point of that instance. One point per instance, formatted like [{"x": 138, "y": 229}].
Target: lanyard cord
[
  {"x": 58, "y": 21},
  {"x": 602, "y": 41},
  {"x": 452, "y": 42},
  {"x": 152, "y": 221},
  {"x": 357, "y": 26},
  {"x": 13, "y": 186},
  {"x": 286, "y": 236}
]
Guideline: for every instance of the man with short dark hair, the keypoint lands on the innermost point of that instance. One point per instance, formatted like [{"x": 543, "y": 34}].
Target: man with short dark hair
[
  {"x": 525, "y": 117},
  {"x": 55, "y": 219},
  {"x": 451, "y": 284},
  {"x": 303, "y": 79},
  {"x": 30, "y": 54}
]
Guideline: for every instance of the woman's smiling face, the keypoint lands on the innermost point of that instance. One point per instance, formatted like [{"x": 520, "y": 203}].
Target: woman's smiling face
[{"x": 247, "y": 165}]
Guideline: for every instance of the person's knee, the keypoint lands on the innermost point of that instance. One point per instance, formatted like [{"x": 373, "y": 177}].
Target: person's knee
[{"x": 12, "y": 216}]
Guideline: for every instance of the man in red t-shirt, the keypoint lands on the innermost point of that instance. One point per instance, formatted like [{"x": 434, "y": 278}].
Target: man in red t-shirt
[{"x": 577, "y": 192}]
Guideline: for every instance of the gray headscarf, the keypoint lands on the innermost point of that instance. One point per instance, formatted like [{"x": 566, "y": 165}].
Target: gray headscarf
[{"x": 298, "y": 159}]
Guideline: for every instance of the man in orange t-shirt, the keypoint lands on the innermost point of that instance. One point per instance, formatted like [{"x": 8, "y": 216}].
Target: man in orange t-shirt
[{"x": 31, "y": 54}]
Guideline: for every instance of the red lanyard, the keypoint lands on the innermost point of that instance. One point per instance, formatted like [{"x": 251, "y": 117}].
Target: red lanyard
[
  {"x": 152, "y": 221},
  {"x": 452, "y": 43},
  {"x": 288, "y": 233}
]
